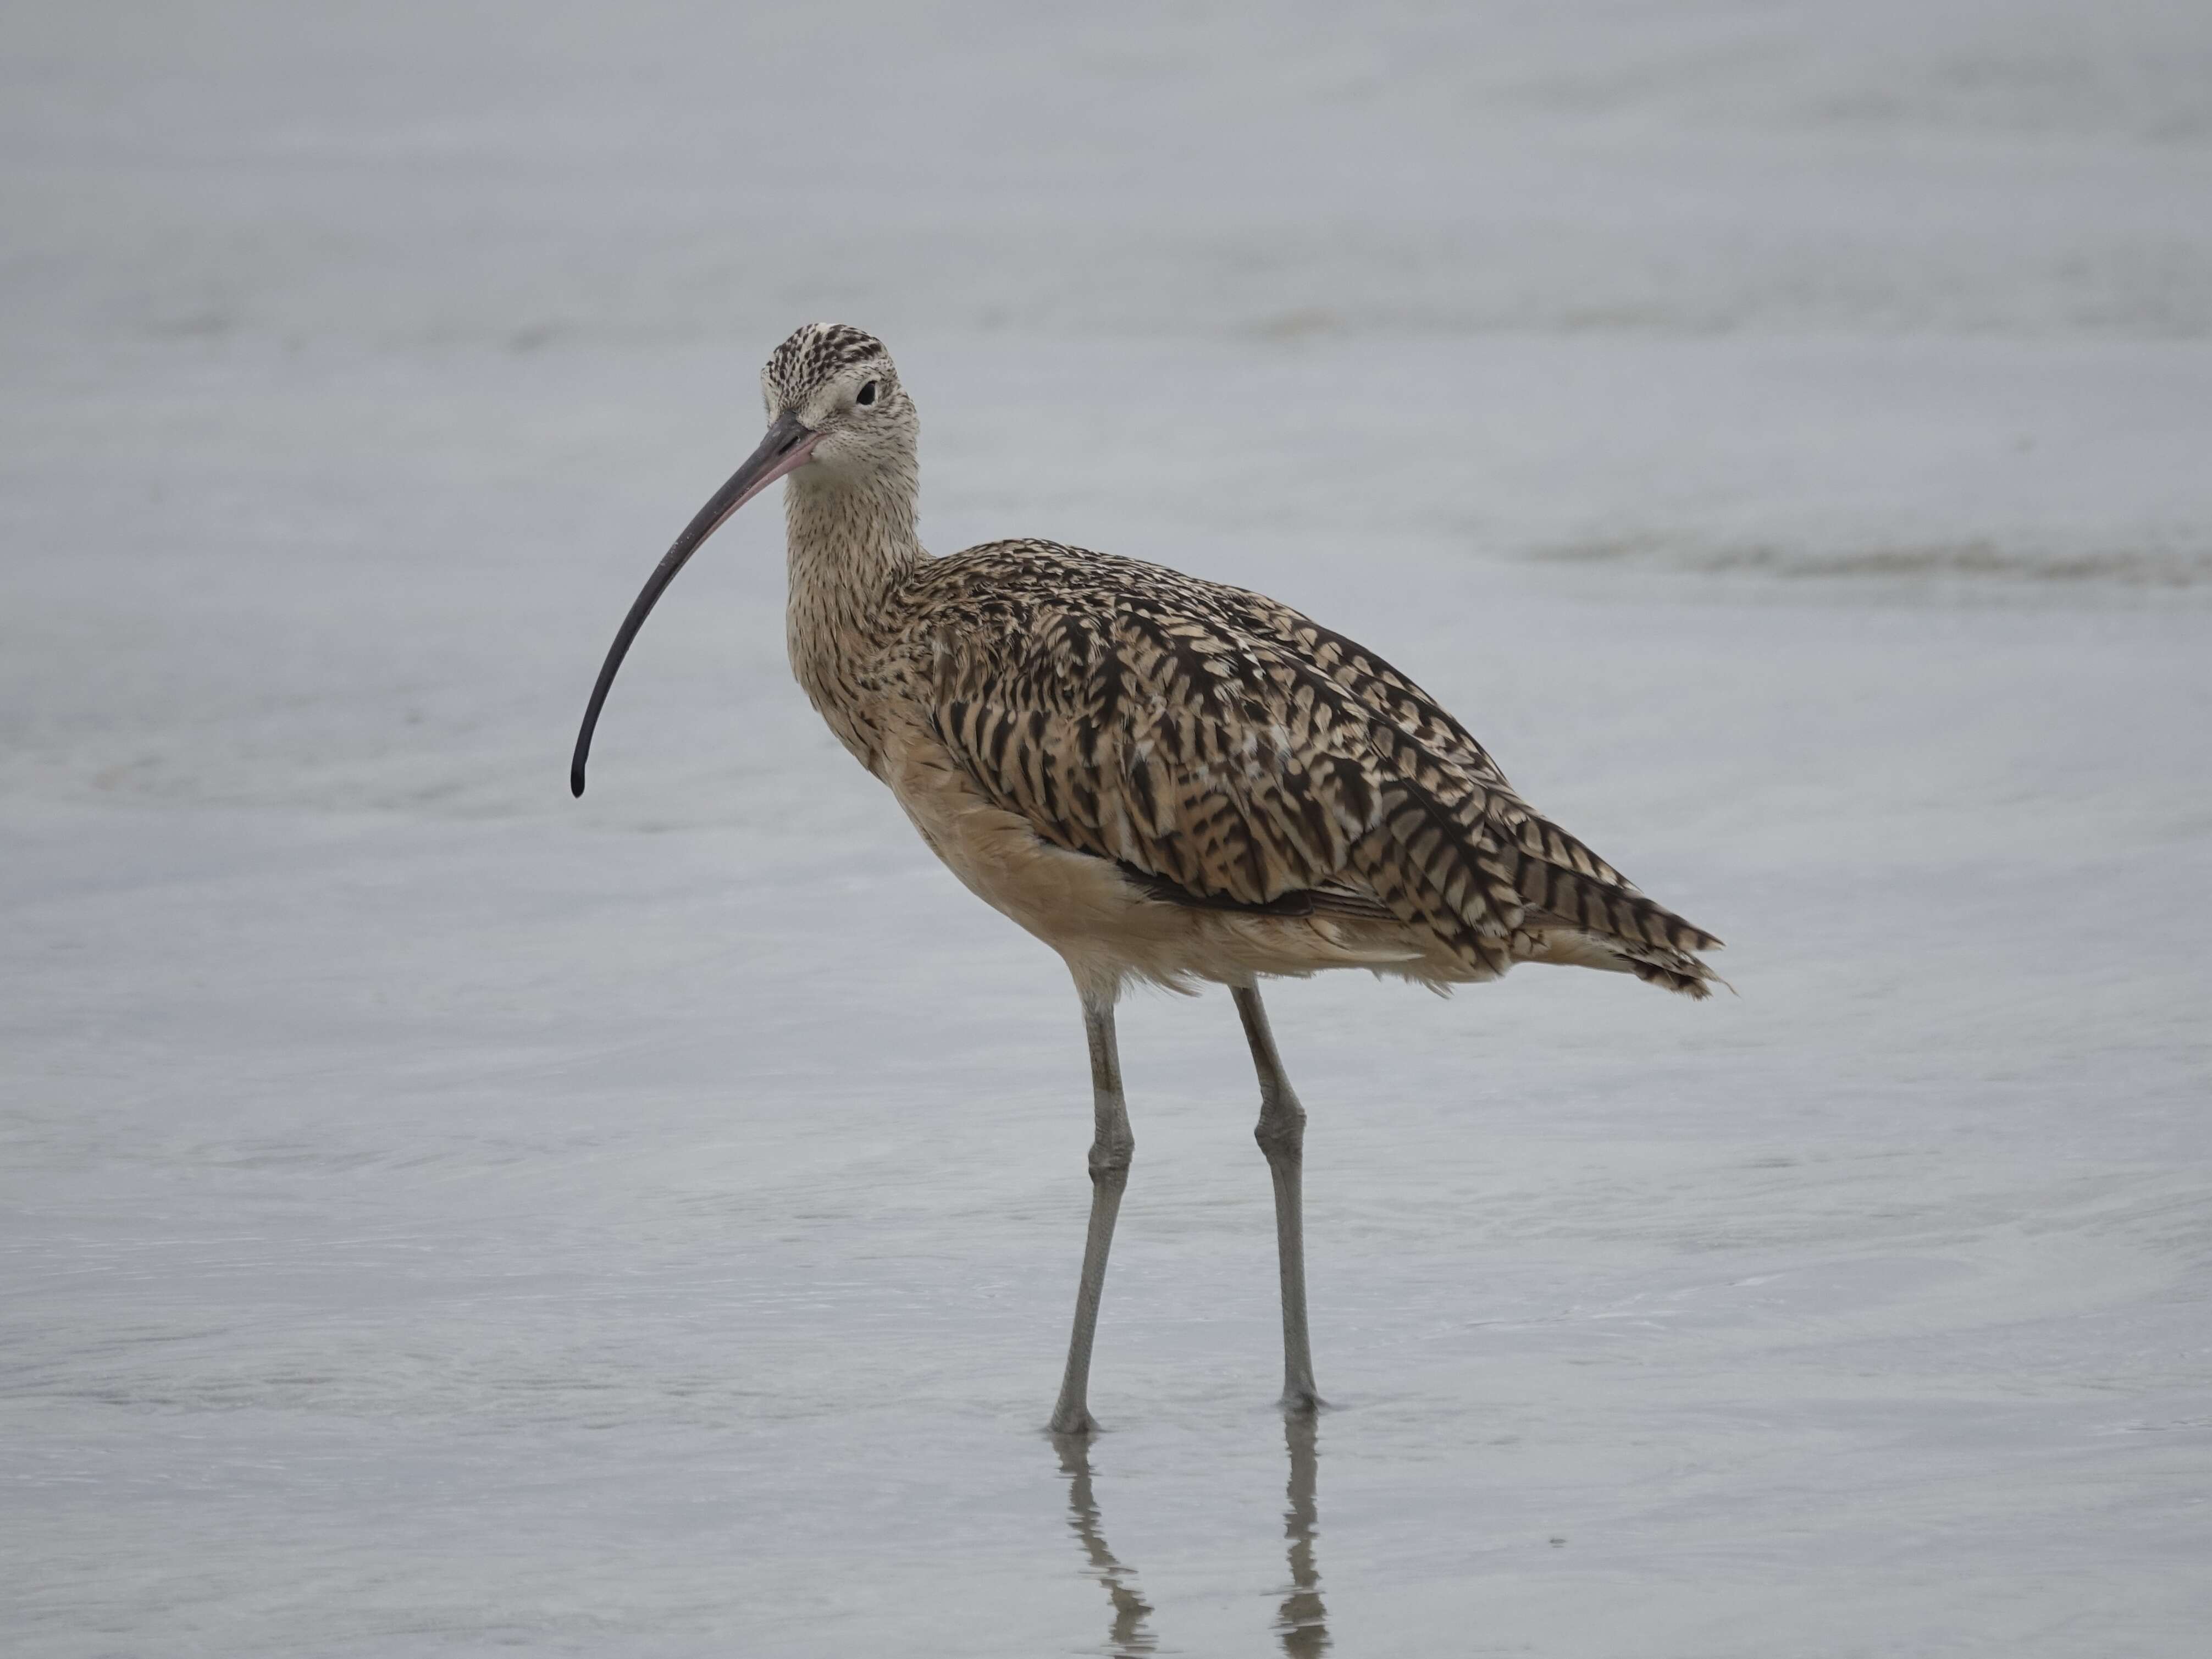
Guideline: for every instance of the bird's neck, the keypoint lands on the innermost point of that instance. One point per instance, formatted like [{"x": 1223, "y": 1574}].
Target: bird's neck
[{"x": 851, "y": 542}]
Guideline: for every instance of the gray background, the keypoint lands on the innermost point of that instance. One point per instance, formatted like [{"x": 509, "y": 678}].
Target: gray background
[{"x": 441, "y": 1218}]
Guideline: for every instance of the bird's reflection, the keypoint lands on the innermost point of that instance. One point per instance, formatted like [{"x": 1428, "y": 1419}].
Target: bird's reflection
[
  {"x": 1301, "y": 1621},
  {"x": 1130, "y": 1634}
]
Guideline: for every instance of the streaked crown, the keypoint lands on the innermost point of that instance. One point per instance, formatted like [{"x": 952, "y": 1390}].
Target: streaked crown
[{"x": 815, "y": 354}]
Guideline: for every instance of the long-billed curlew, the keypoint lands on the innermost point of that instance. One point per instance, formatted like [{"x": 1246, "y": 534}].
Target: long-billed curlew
[{"x": 1161, "y": 778}]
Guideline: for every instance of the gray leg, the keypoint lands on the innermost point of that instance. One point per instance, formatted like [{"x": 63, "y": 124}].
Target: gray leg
[
  {"x": 1281, "y": 1134},
  {"x": 1111, "y": 1148}
]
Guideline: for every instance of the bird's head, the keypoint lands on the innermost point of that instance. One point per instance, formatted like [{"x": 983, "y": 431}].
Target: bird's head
[
  {"x": 837, "y": 390},
  {"x": 837, "y": 417}
]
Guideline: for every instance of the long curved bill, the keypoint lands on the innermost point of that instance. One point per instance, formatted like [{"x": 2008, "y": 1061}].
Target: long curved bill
[{"x": 789, "y": 444}]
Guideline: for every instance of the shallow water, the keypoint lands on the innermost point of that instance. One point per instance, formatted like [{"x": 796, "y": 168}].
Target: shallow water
[{"x": 440, "y": 1216}]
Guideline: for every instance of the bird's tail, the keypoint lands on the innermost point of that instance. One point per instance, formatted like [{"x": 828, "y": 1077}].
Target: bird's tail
[{"x": 1500, "y": 885}]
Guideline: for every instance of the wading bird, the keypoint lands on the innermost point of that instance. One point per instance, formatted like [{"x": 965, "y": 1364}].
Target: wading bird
[{"x": 1163, "y": 779}]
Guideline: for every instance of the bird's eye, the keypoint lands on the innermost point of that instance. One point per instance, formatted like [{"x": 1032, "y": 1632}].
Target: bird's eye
[{"x": 868, "y": 393}]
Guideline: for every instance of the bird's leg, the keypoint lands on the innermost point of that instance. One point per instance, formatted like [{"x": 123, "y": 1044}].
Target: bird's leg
[
  {"x": 1281, "y": 1132},
  {"x": 1111, "y": 1148}
]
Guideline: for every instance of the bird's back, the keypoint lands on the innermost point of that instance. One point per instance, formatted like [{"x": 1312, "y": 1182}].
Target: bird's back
[{"x": 1228, "y": 752}]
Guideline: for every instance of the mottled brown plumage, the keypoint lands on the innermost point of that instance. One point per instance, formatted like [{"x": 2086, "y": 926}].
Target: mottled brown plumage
[
  {"x": 1164, "y": 779},
  {"x": 1225, "y": 750}
]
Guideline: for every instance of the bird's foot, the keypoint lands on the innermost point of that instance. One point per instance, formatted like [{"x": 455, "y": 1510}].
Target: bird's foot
[
  {"x": 1302, "y": 1402},
  {"x": 1072, "y": 1420}
]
